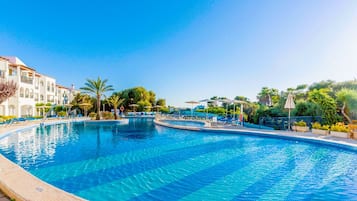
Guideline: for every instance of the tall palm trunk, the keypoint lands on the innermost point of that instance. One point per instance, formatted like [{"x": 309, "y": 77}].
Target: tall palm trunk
[
  {"x": 98, "y": 108},
  {"x": 115, "y": 113}
]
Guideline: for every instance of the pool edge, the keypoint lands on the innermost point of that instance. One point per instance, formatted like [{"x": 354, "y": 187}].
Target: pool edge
[
  {"x": 18, "y": 184},
  {"x": 317, "y": 139}
]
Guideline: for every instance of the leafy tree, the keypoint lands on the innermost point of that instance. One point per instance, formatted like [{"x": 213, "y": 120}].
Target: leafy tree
[
  {"x": 325, "y": 84},
  {"x": 115, "y": 101},
  {"x": 305, "y": 108},
  {"x": 152, "y": 97},
  {"x": 98, "y": 88},
  {"x": 161, "y": 102},
  {"x": 144, "y": 105},
  {"x": 326, "y": 103},
  {"x": 352, "y": 84},
  {"x": 140, "y": 96},
  {"x": 348, "y": 98},
  {"x": 242, "y": 98}
]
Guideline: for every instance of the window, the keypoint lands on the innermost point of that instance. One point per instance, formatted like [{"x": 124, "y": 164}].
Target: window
[
  {"x": 27, "y": 93},
  {"x": 41, "y": 98},
  {"x": 12, "y": 72},
  {"x": 31, "y": 93},
  {"x": 21, "y": 92}
]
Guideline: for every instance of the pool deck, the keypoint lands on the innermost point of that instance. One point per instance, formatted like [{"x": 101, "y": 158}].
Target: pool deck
[{"x": 18, "y": 184}]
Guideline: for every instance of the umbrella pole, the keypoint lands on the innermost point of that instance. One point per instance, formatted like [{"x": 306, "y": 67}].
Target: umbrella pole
[
  {"x": 234, "y": 112},
  {"x": 289, "y": 121},
  {"x": 207, "y": 113}
]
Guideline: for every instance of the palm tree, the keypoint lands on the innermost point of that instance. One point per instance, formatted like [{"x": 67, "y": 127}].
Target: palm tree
[
  {"x": 97, "y": 88},
  {"x": 115, "y": 101},
  {"x": 266, "y": 94}
]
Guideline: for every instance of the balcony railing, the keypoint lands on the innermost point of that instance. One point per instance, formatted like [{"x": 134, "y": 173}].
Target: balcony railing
[{"x": 27, "y": 80}]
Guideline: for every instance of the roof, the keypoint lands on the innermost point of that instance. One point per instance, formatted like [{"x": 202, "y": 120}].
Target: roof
[
  {"x": 62, "y": 87},
  {"x": 14, "y": 60},
  {"x": 3, "y": 58}
]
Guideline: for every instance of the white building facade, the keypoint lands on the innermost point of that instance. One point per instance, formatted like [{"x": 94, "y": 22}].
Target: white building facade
[{"x": 32, "y": 88}]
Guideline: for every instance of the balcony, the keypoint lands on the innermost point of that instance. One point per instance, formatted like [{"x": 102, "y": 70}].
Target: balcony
[{"x": 27, "y": 80}]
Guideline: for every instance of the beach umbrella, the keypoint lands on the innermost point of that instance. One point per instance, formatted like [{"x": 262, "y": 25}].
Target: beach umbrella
[
  {"x": 157, "y": 107},
  {"x": 289, "y": 104},
  {"x": 207, "y": 101},
  {"x": 148, "y": 107},
  {"x": 133, "y": 106},
  {"x": 192, "y": 103},
  {"x": 241, "y": 106},
  {"x": 227, "y": 101}
]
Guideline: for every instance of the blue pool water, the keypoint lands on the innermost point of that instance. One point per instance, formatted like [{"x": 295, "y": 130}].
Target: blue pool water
[
  {"x": 141, "y": 161},
  {"x": 185, "y": 123}
]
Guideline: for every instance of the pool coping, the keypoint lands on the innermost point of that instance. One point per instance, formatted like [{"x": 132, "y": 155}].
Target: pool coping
[
  {"x": 19, "y": 184},
  {"x": 344, "y": 143}
]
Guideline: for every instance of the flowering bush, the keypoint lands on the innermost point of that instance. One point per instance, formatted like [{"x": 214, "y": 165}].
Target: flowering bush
[
  {"x": 317, "y": 125},
  {"x": 300, "y": 123},
  {"x": 339, "y": 127},
  {"x": 92, "y": 114},
  {"x": 107, "y": 115},
  {"x": 62, "y": 113}
]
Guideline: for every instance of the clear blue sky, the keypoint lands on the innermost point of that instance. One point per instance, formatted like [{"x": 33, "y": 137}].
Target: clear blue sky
[{"x": 185, "y": 49}]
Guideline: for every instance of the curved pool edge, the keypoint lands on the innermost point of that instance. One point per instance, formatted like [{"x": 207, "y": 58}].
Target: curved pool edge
[
  {"x": 18, "y": 184},
  {"x": 117, "y": 121},
  {"x": 304, "y": 137}
]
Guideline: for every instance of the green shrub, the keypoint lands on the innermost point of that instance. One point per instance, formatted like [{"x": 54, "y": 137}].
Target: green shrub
[
  {"x": 62, "y": 113},
  {"x": 92, "y": 115},
  {"x": 300, "y": 123}
]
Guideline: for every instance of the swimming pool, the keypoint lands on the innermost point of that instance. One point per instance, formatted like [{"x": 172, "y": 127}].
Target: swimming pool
[
  {"x": 141, "y": 161},
  {"x": 185, "y": 123}
]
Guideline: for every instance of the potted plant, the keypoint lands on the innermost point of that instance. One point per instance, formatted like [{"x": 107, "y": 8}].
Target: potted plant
[
  {"x": 300, "y": 126},
  {"x": 340, "y": 130},
  {"x": 353, "y": 129},
  {"x": 317, "y": 128}
]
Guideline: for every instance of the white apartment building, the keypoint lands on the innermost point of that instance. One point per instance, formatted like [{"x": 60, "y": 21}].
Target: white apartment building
[{"x": 33, "y": 88}]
